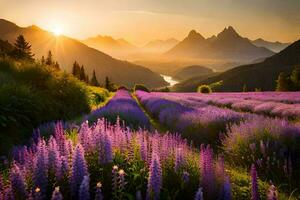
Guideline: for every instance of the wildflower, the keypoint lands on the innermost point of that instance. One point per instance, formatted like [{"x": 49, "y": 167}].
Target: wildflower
[
  {"x": 272, "y": 193},
  {"x": 199, "y": 194},
  {"x": 179, "y": 160},
  {"x": 56, "y": 195},
  {"x": 114, "y": 178},
  {"x": 84, "y": 192},
  {"x": 155, "y": 179},
  {"x": 17, "y": 182},
  {"x": 254, "y": 184},
  {"x": 98, "y": 194},
  {"x": 226, "y": 190},
  {"x": 79, "y": 169}
]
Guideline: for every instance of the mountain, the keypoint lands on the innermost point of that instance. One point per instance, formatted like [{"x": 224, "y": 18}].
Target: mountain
[
  {"x": 261, "y": 75},
  {"x": 192, "y": 71},
  {"x": 115, "y": 47},
  {"x": 66, "y": 50},
  {"x": 273, "y": 46},
  {"x": 227, "y": 45},
  {"x": 160, "y": 46}
]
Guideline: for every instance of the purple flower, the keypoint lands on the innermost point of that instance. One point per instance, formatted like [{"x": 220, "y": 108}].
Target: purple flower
[
  {"x": 17, "y": 182},
  {"x": 207, "y": 171},
  {"x": 254, "y": 183},
  {"x": 79, "y": 169},
  {"x": 41, "y": 168},
  {"x": 185, "y": 177},
  {"x": 106, "y": 152},
  {"x": 98, "y": 193},
  {"x": 199, "y": 194},
  {"x": 56, "y": 195},
  {"x": 84, "y": 192},
  {"x": 155, "y": 178},
  {"x": 179, "y": 159},
  {"x": 272, "y": 193},
  {"x": 226, "y": 190}
]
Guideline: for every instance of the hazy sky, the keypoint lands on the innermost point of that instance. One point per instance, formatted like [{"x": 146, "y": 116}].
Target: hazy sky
[{"x": 142, "y": 20}]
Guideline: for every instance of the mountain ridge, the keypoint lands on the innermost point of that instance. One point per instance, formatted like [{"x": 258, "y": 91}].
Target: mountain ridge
[{"x": 66, "y": 50}]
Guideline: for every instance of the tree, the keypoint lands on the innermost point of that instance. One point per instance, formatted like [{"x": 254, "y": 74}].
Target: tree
[
  {"x": 43, "y": 61},
  {"x": 109, "y": 85},
  {"x": 76, "y": 70},
  {"x": 204, "y": 89},
  {"x": 83, "y": 77},
  {"x": 56, "y": 66},
  {"x": 94, "y": 81},
  {"x": 49, "y": 59},
  {"x": 22, "y": 49},
  {"x": 284, "y": 82},
  {"x": 295, "y": 78}
]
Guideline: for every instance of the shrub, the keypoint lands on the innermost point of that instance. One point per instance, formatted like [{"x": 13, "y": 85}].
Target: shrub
[
  {"x": 33, "y": 95},
  {"x": 140, "y": 87},
  {"x": 204, "y": 89}
]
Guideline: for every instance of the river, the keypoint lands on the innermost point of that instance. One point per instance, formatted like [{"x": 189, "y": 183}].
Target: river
[{"x": 169, "y": 79}]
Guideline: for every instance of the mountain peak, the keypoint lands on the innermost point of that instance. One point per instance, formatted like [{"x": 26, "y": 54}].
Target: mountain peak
[
  {"x": 228, "y": 32},
  {"x": 195, "y": 35}
]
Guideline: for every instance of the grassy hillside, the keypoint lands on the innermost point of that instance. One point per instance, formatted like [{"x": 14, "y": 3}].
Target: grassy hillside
[
  {"x": 192, "y": 71},
  {"x": 32, "y": 94}
]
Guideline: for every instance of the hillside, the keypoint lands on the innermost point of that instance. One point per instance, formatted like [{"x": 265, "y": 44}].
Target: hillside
[
  {"x": 261, "y": 75},
  {"x": 192, "y": 71},
  {"x": 66, "y": 50},
  {"x": 227, "y": 45},
  {"x": 273, "y": 46}
]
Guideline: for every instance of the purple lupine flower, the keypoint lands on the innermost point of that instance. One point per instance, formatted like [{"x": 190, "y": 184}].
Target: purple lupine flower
[
  {"x": 106, "y": 153},
  {"x": 84, "y": 191},
  {"x": 185, "y": 177},
  {"x": 64, "y": 166},
  {"x": 155, "y": 178},
  {"x": 54, "y": 158},
  {"x": 179, "y": 160},
  {"x": 56, "y": 195},
  {"x": 40, "y": 171},
  {"x": 207, "y": 170},
  {"x": 79, "y": 169},
  {"x": 98, "y": 193},
  {"x": 17, "y": 182},
  {"x": 199, "y": 194},
  {"x": 254, "y": 183},
  {"x": 144, "y": 150},
  {"x": 226, "y": 190},
  {"x": 272, "y": 193},
  {"x": 220, "y": 168}
]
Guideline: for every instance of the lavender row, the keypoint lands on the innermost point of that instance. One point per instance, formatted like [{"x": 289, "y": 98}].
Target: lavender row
[
  {"x": 200, "y": 123},
  {"x": 271, "y": 108},
  {"x": 122, "y": 105},
  {"x": 111, "y": 162}
]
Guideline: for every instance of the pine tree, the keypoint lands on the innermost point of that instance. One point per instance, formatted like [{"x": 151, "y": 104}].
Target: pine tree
[
  {"x": 56, "y": 66},
  {"x": 49, "y": 59},
  {"x": 43, "y": 61},
  {"x": 82, "y": 74},
  {"x": 76, "y": 70},
  {"x": 23, "y": 49},
  {"x": 107, "y": 83},
  {"x": 94, "y": 81}
]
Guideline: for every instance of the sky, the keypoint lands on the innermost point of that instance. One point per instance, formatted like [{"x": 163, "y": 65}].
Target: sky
[{"x": 140, "y": 21}]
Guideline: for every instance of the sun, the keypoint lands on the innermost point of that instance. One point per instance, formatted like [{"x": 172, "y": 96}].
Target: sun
[{"x": 57, "y": 30}]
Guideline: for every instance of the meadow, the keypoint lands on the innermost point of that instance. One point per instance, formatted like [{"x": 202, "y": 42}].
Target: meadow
[{"x": 210, "y": 149}]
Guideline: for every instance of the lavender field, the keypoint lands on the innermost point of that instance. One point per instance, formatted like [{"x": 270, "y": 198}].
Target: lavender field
[{"x": 214, "y": 146}]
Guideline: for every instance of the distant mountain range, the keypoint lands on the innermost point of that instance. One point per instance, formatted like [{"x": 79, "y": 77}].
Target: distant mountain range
[
  {"x": 261, "y": 75},
  {"x": 273, "y": 46},
  {"x": 66, "y": 50},
  {"x": 227, "y": 45},
  {"x": 160, "y": 46}
]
